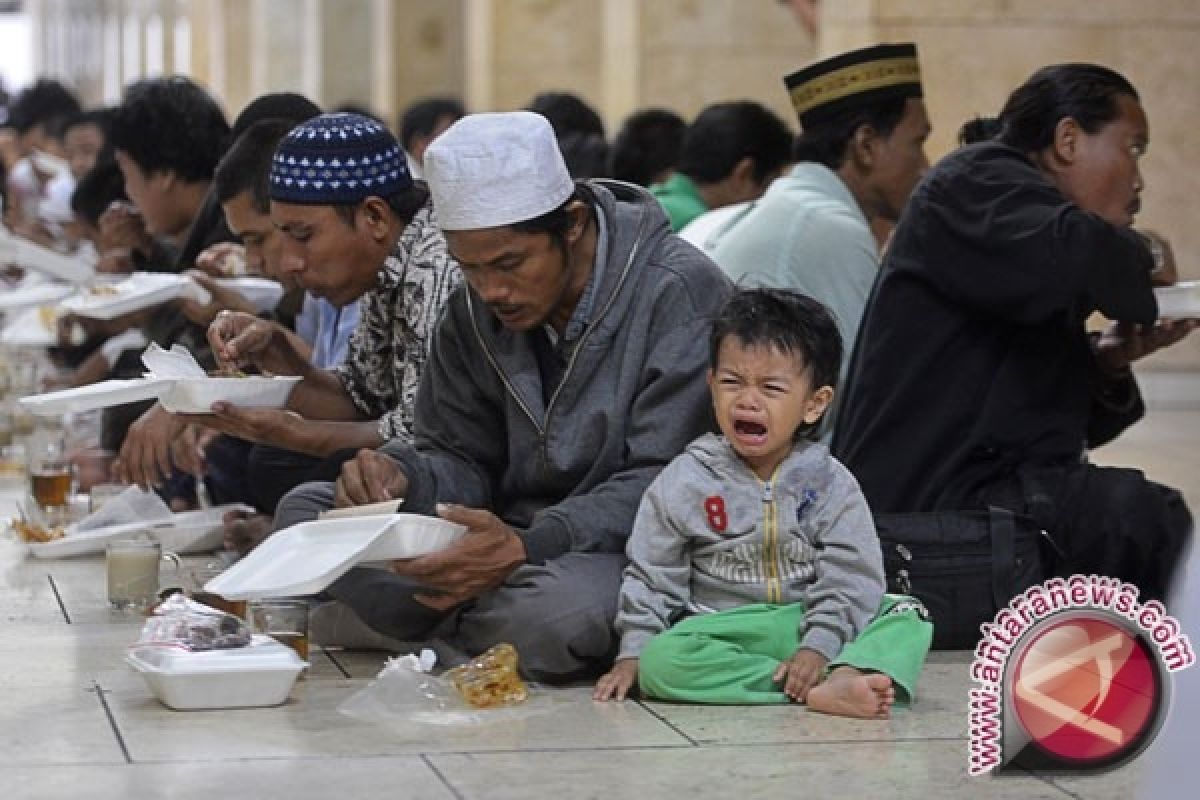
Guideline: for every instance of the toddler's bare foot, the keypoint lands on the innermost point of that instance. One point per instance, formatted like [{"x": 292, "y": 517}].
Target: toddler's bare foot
[{"x": 850, "y": 693}]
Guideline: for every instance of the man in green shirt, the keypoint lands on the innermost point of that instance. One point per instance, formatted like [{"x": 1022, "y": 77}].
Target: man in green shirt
[{"x": 731, "y": 153}]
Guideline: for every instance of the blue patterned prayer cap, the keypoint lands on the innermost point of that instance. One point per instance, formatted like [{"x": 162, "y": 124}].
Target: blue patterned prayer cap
[{"x": 338, "y": 159}]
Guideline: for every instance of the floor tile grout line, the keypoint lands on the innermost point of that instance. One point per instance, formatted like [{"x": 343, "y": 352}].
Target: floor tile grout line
[
  {"x": 668, "y": 723},
  {"x": 336, "y": 663},
  {"x": 112, "y": 721},
  {"x": 445, "y": 781},
  {"x": 542, "y": 750},
  {"x": 61, "y": 605}
]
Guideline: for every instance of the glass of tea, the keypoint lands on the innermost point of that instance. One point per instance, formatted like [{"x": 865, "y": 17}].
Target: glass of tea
[
  {"x": 284, "y": 620},
  {"x": 51, "y": 476}
]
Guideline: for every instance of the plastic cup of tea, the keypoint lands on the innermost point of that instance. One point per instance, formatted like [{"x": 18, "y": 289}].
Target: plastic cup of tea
[
  {"x": 51, "y": 478},
  {"x": 284, "y": 620},
  {"x": 195, "y": 587},
  {"x": 132, "y": 567},
  {"x": 13, "y": 466}
]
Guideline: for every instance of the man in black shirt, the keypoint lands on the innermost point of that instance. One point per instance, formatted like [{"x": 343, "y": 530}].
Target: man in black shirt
[{"x": 975, "y": 381}]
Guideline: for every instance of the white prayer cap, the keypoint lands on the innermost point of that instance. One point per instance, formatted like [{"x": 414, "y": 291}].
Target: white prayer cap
[{"x": 489, "y": 170}]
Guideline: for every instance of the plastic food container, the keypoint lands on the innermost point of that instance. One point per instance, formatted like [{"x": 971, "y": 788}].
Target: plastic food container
[
  {"x": 246, "y": 677},
  {"x": 305, "y": 558},
  {"x": 1181, "y": 301},
  {"x": 184, "y": 532},
  {"x": 196, "y": 395},
  {"x": 262, "y": 293}
]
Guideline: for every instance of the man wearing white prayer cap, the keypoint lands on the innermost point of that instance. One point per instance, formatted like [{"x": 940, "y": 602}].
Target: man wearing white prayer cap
[{"x": 566, "y": 373}]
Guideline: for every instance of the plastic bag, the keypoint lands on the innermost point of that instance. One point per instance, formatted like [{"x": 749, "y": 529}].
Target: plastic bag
[
  {"x": 188, "y": 625},
  {"x": 406, "y": 693},
  {"x": 132, "y": 505}
]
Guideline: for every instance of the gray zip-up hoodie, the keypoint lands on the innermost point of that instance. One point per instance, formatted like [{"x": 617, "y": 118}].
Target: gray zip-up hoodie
[
  {"x": 711, "y": 535},
  {"x": 568, "y": 474}
]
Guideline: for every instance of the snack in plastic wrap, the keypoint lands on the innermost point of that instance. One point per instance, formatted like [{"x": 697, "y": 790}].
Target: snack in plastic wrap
[
  {"x": 180, "y": 622},
  {"x": 491, "y": 680}
]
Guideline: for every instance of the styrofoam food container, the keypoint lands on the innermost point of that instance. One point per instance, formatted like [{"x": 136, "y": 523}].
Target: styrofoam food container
[
  {"x": 261, "y": 674},
  {"x": 262, "y": 293},
  {"x": 413, "y": 535},
  {"x": 300, "y": 560},
  {"x": 196, "y": 395},
  {"x": 96, "y": 395},
  {"x": 1181, "y": 301},
  {"x": 182, "y": 533},
  {"x": 36, "y": 295},
  {"x": 139, "y": 291},
  {"x": 307, "y": 557}
]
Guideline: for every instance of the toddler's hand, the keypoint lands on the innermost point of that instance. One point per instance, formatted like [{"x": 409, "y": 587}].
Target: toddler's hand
[
  {"x": 615, "y": 684},
  {"x": 801, "y": 673}
]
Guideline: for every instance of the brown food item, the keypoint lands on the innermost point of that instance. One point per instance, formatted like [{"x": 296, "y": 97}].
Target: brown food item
[
  {"x": 35, "y": 533},
  {"x": 102, "y": 291},
  {"x": 491, "y": 680},
  {"x": 227, "y": 372}
]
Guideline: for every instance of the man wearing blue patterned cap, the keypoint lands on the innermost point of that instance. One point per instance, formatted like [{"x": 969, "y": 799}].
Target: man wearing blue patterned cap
[{"x": 351, "y": 224}]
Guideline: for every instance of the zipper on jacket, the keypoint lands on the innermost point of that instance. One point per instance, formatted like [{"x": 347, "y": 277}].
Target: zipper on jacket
[{"x": 771, "y": 541}]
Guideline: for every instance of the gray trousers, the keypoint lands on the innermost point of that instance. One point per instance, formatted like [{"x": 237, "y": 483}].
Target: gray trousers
[{"x": 558, "y": 615}]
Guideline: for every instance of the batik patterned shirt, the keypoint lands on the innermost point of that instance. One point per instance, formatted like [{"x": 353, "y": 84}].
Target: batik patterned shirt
[{"x": 396, "y": 322}]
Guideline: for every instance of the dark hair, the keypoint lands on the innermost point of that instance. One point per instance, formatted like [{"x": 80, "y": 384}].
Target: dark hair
[
  {"x": 47, "y": 103},
  {"x": 556, "y": 223},
  {"x": 171, "y": 125},
  {"x": 102, "y": 118},
  {"x": 247, "y": 164},
  {"x": 579, "y": 130},
  {"x": 422, "y": 117},
  {"x": 97, "y": 190},
  {"x": 792, "y": 322},
  {"x": 567, "y": 113},
  {"x": 725, "y": 133},
  {"x": 647, "y": 145},
  {"x": 980, "y": 129},
  {"x": 289, "y": 106},
  {"x": 404, "y": 204},
  {"x": 1086, "y": 93},
  {"x": 826, "y": 143}
]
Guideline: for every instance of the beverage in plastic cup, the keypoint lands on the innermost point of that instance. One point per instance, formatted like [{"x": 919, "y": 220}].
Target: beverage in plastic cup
[
  {"x": 285, "y": 621},
  {"x": 132, "y": 568},
  {"x": 50, "y": 480},
  {"x": 12, "y": 466},
  {"x": 201, "y": 576}
]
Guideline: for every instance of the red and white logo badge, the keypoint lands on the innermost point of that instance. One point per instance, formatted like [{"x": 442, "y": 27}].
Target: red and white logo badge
[
  {"x": 1072, "y": 674},
  {"x": 1087, "y": 691}
]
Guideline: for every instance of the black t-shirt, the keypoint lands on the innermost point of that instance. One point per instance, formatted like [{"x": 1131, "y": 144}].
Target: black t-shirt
[{"x": 973, "y": 358}]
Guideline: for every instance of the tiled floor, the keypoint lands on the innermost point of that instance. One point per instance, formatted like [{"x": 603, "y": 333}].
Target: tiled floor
[{"x": 76, "y": 722}]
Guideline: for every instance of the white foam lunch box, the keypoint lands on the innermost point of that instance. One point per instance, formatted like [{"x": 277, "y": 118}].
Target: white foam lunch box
[{"x": 261, "y": 674}]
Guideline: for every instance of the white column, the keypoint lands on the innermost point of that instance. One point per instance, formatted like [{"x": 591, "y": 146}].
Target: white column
[
  {"x": 620, "y": 65},
  {"x": 479, "y": 90},
  {"x": 312, "y": 52},
  {"x": 383, "y": 84}
]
